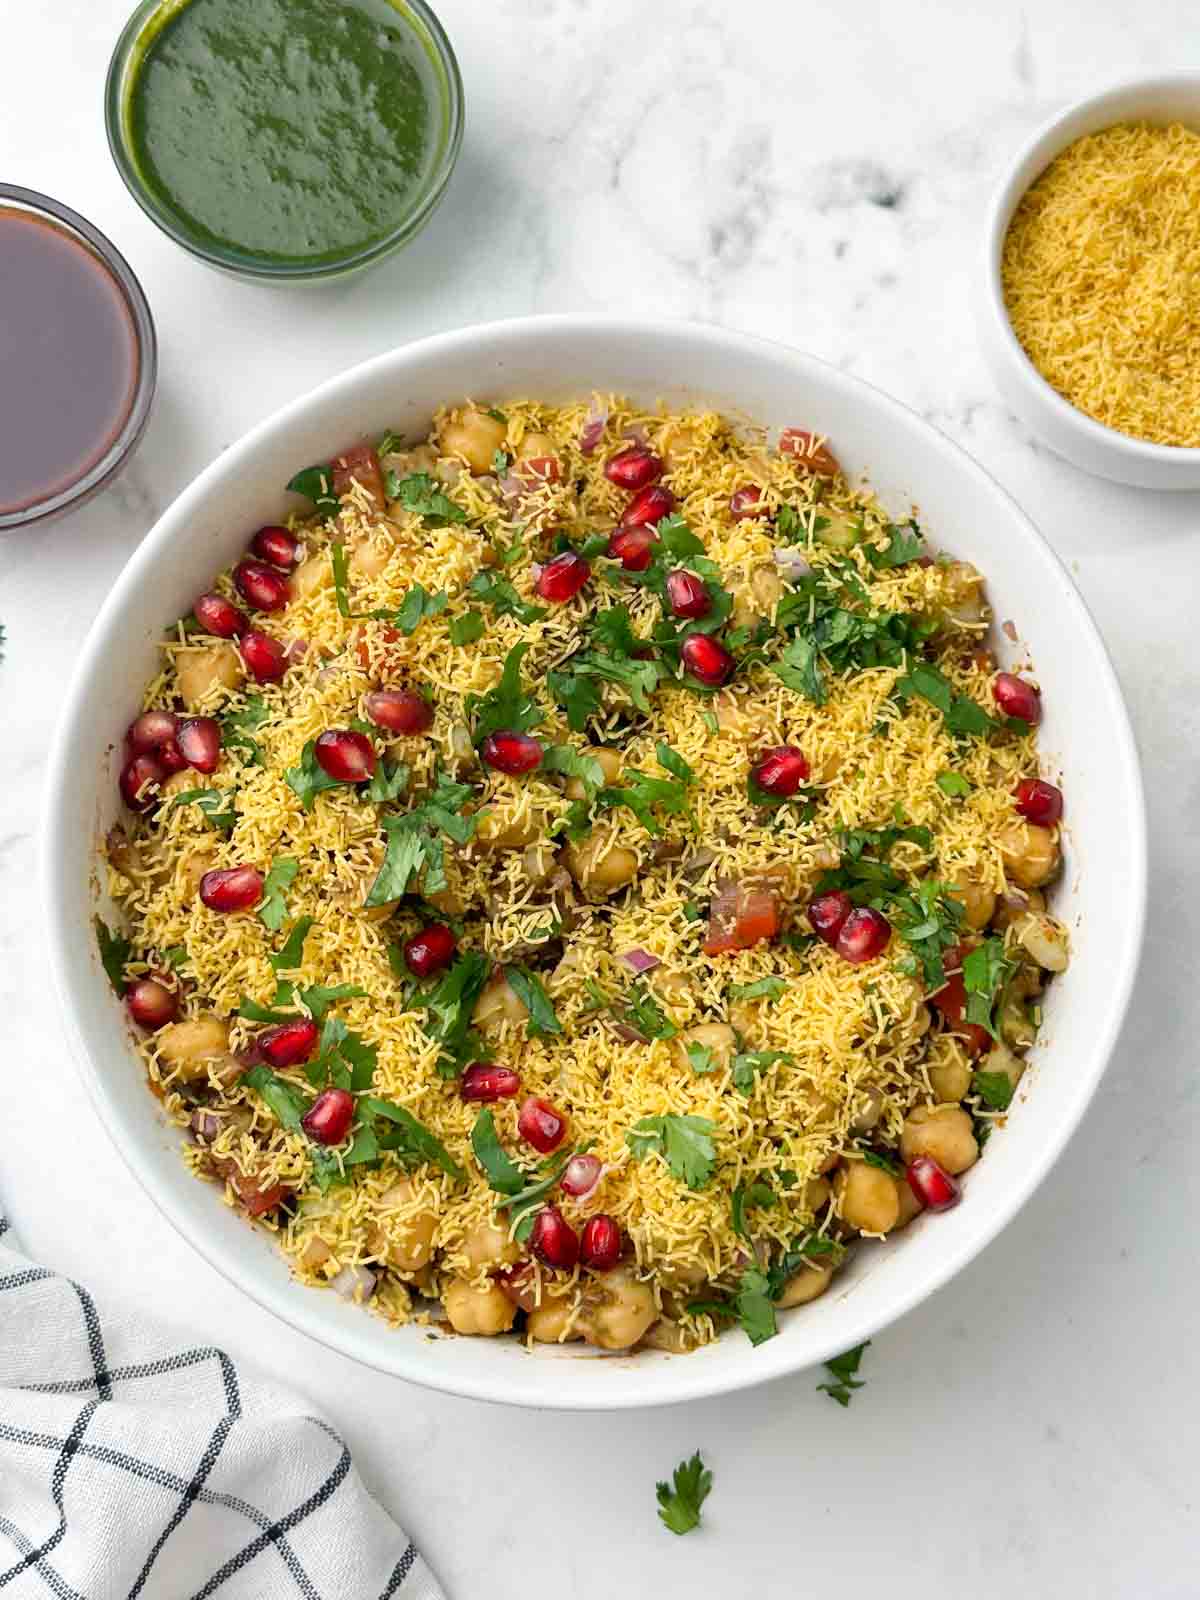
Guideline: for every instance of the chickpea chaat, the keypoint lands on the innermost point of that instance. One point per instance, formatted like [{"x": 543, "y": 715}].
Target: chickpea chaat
[{"x": 584, "y": 874}]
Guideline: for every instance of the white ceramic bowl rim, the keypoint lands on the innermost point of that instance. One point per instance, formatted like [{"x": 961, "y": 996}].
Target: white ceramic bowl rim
[
  {"x": 1017, "y": 180},
  {"x": 625, "y": 1382}
]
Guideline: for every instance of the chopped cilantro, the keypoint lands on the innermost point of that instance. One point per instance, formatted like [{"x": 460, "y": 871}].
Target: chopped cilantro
[
  {"x": 238, "y": 727},
  {"x": 749, "y": 1064},
  {"x": 318, "y": 998},
  {"x": 566, "y": 759},
  {"x": 211, "y": 804},
  {"x": 414, "y": 848},
  {"x": 413, "y": 1142},
  {"x": 986, "y": 969},
  {"x": 343, "y": 1058},
  {"x": 316, "y": 484},
  {"x": 115, "y": 951},
  {"x": 644, "y": 795},
  {"x": 291, "y": 953},
  {"x": 995, "y": 1089},
  {"x": 508, "y": 705},
  {"x": 416, "y": 606},
  {"x": 961, "y": 714},
  {"x": 309, "y": 779},
  {"x": 419, "y": 494},
  {"x": 531, "y": 992},
  {"x": 700, "y": 1059},
  {"x": 448, "y": 1008},
  {"x": 272, "y": 908},
  {"x": 874, "y": 1158},
  {"x": 745, "y": 1195},
  {"x": 843, "y": 1370},
  {"x": 685, "y": 1143},
  {"x": 467, "y": 628},
  {"x": 501, "y": 1171},
  {"x": 499, "y": 593},
  {"x": 761, "y": 988},
  {"x": 670, "y": 761},
  {"x": 754, "y": 1307},
  {"x": 679, "y": 1502},
  {"x": 176, "y": 956},
  {"x": 954, "y": 785},
  {"x": 903, "y": 545},
  {"x": 641, "y": 1011}
]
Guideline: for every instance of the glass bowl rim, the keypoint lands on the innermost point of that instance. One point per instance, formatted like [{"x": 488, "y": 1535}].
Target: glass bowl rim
[
  {"x": 110, "y": 463},
  {"x": 254, "y": 268}
]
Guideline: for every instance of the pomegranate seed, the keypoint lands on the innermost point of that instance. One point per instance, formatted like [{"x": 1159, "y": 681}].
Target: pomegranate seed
[
  {"x": 632, "y": 547},
  {"x": 562, "y": 578},
  {"x": 511, "y": 752},
  {"x": 828, "y": 914},
  {"x": 276, "y": 545},
  {"x": 1040, "y": 802},
  {"x": 648, "y": 507},
  {"x": 707, "y": 661},
  {"x": 151, "y": 1004},
  {"x": 430, "y": 950},
  {"x": 329, "y": 1117},
  {"x": 540, "y": 1125},
  {"x": 744, "y": 502},
  {"x": 231, "y": 888},
  {"x": 580, "y": 1176},
  {"x": 345, "y": 755},
  {"x": 553, "y": 1240},
  {"x": 199, "y": 743},
  {"x": 633, "y": 469},
  {"x": 781, "y": 771},
  {"x": 484, "y": 1082},
  {"x": 264, "y": 656},
  {"x": 1016, "y": 698},
  {"x": 864, "y": 935},
  {"x": 932, "y": 1184},
  {"x": 138, "y": 777},
  {"x": 261, "y": 586},
  {"x": 289, "y": 1043},
  {"x": 399, "y": 710},
  {"x": 152, "y": 732},
  {"x": 687, "y": 594},
  {"x": 519, "y": 1283},
  {"x": 219, "y": 616},
  {"x": 600, "y": 1243}
]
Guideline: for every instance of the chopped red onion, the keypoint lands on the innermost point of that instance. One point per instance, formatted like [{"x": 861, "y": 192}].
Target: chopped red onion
[
  {"x": 1009, "y": 631},
  {"x": 511, "y": 487},
  {"x": 637, "y": 434},
  {"x": 628, "y": 1034},
  {"x": 791, "y": 562},
  {"x": 352, "y": 1279},
  {"x": 640, "y": 960},
  {"x": 204, "y": 1126},
  {"x": 593, "y": 428},
  {"x": 295, "y": 650}
]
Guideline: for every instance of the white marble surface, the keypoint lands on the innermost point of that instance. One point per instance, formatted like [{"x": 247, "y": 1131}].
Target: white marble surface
[{"x": 814, "y": 172}]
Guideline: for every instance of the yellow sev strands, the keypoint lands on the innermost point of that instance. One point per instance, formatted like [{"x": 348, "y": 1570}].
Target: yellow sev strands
[
  {"x": 857, "y": 1036},
  {"x": 1101, "y": 274}
]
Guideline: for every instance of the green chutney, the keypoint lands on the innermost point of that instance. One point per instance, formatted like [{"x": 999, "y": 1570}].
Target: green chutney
[{"x": 286, "y": 131}]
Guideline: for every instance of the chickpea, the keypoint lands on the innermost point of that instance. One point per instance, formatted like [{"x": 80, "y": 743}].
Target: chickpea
[
  {"x": 538, "y": 862},
  {"x": 403, "y": 1242},
  {"x": 487, "y": 1245},
  {"x": 617, "y": 1310},
  {"x": 910, "y": 1206},
  {"x": 867, "y": 1198},
  {"x": 838, "y": 530},
  {"x": 599, "y": 865},
  {"x": 552, "y": 1322},
  {"x": 1029, "y": 852},
  {"x": 368, "y": 556},
  {"x": 498, "y": 1004},
  {"x": 1016, "y": 1026},
  {"x": 869, "y": 1113},
  {"x": 475, "y": 437},
  {"x": 979, "y": 903},
  {"x": 950, "y": 1079},
  {"x": 672, "y": 1337},
  {"x": 766, "y": 591},
  {"x": 312, "y": 575},
  {"x": 470, "y": 1309},
  {"x": 610, "y": 764},
  {"x": 1046, "y": 940},
  {"x": 189, "y": 1046},
  {"x": 495, "y": 833},
  {"x": 201, "y": 673},
  {"x": 807, "y": 1284},
  {"x": 965, "y": 604},
  {"x": 943, "y": 1132},
  {"x": 718, "y": 1038}
]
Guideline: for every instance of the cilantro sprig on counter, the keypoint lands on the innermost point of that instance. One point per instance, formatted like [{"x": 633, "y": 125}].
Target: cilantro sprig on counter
[
  {"x": 843, "y": 1375},
  {"x": 679, "y": 1501}
]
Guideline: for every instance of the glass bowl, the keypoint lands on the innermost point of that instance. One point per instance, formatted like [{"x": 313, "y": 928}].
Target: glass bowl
[
  {"x": 102, "y": 468},
  {"x": 135, "y": 39}
]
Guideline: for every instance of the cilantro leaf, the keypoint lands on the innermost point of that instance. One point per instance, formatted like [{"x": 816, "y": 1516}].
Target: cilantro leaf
[
  {"x": 499, "y": 593},
  {"x": 501, "y": 1171},
  {"x": 238, "y": 727},
  {"x": 800, "y": 670},
  {"x": 843, "y": 1370},
  {"x": 416, "y": 606},
  {"x": 531, "y": 992},
  {"x": 316, "y": 484},
  {"x": 288, "y": 1104},
  {"x": 115, "y": 950},
  {"x": 684, "y": 1142},
  {"x": 700, "y": 1059},
  {"x": 467, "y": 628},
  {"x": 523, "y": 1206},
  {"x": 641, "y": 1011},
  {"x": 995, "y": 1089},
  {"x": 961, "y": 714},
  {"x": 754, "y": 1307},
  {"x": 211, "y": 805},
  {"x": 874, "y": 1158},
  {"x": 419, "y": 494},
  {"x": 309, "y": 779},
  {"x": 986, "y": 969},
  {"x": 414, "y": 1140},
  {"x": 388, "y": 782},
  {"x": 272, "y": 908},
  {"x": 507, "y": 706},
  {"x": 954, "y": 785},
  {"x": 448, "y": 1008},
  {"x": 613, "y": 630},
  {"x": 176, "y": 956},
  {"x": 291, "y": 953},
  {"x": 644, "y": 795},
  {"x": 414, "y": 850},
  {"x": 749, "y": 1064},
  {"x": 566, "y": 759},
  {"x": 761, "y": 988},
  {"x": 903, "y": 545},
  {"x": 577, "y": 695},
  {"x": 679, "y": 1506},
  {"x": 671, "y": 761},
  {"x": 754, "y": 1193}
]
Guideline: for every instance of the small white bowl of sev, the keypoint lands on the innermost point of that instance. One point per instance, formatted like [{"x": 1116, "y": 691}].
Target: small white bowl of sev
[{"x": 1089, "y": 315}]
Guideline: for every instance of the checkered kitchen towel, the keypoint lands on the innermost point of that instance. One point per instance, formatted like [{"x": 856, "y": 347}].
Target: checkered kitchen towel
[{"x": 133, "y": 1466}]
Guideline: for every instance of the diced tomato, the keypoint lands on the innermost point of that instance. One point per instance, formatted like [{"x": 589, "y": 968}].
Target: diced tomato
[
  {"x": 386, "y": 637},
  {"x": 359, "y": 465},
  {"x": 813, "y": 456},
  {"x": 255, "y": 1199},
  {"x": 951, "y": 1001},
  {"x": 539, "y": 469},
  {"x": 741, "y": 915}
]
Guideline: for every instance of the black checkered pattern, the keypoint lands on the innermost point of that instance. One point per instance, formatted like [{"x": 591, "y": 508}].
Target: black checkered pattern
[{"x": 134, "y": 1470}]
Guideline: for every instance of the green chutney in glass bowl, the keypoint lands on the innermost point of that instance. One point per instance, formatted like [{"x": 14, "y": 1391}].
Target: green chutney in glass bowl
[{"x": 287, "y": 141}]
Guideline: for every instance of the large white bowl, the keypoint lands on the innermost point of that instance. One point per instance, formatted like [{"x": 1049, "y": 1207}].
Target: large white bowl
[
  {"x": 1086, "y": 731},
  {"x": 1069, "y": 432}
]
